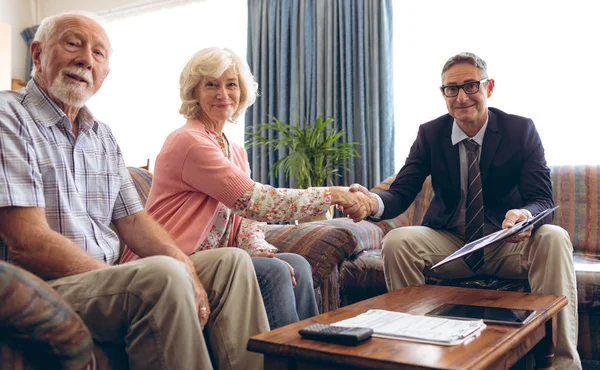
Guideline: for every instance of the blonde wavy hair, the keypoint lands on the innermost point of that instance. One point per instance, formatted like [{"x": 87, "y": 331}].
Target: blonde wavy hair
[{"x": 212, "y": 62}]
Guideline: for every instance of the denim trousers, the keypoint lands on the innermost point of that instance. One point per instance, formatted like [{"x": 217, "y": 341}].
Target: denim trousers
[{"x": 284, "y": 303}]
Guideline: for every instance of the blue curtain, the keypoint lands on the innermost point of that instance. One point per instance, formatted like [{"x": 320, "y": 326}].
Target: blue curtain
[
  {"x": 328, "y": 57},
  {"x": 28, "y": 35}
]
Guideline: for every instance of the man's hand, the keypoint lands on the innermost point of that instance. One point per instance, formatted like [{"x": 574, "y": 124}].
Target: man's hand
[
  {"x": 202, "y": 303},
  {"x": 355, "y": 205},
  {"x": 513, "y": 217},
  {"x": 147, "y": 238},
  {"x": 373, "y": 203},
  {"x": 272, "y": 255}
]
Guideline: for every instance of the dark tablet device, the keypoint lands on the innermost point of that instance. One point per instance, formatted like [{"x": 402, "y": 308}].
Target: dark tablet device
[{"x": 495, "y": 315}]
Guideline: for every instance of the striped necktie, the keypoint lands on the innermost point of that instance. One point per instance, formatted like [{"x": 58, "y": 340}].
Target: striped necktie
[{"x": 474, "y": 207}]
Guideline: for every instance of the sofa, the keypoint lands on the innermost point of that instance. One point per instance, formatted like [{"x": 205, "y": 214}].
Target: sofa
[
  {"x": 359, "y": 274},
  {"x": 347, "y": 267},
  {"x": 346, "y": 256}
]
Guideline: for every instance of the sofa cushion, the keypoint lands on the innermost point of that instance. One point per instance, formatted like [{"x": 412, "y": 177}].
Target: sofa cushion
[
  {"x": 577, "y": 190},
  {"x": 414, "y": 214},
  {"x": 142, "y": 179},
  {"x": 587, "y": 272},
  {"x": 362, "y": 277},
  {"x": 35, "y": 319}
]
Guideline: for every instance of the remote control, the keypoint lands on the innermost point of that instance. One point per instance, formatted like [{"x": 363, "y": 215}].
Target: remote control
[{"x": 336, "y": 334}]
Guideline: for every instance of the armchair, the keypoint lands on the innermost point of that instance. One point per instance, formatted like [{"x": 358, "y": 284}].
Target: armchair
[
  {"x": 34, "y": 319},
  {"x": 346, "y": 256}
]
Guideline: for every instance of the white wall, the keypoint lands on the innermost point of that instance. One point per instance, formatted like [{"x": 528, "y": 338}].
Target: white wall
[
  {"x": 51, "y": 7},
  {"x": 21, "y": 14},
  {"x": 5, "y": 56},
  {"x": 18, "y": 14},
  {"x": 140, "y": 100},
  {"x": 543, "y": 55}
]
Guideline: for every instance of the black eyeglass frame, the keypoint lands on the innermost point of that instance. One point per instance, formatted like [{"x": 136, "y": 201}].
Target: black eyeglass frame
[{"x": 458, "y": 87}]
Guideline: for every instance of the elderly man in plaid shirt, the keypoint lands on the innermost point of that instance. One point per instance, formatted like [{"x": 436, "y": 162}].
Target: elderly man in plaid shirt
[{"x": 63, "y": 182}]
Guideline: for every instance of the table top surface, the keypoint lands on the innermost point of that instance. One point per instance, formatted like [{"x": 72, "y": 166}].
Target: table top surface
[{"x": 496, "y": 346}]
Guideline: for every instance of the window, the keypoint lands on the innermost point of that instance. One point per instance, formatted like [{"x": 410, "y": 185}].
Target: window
[
  {"x": 542, "y": 55},
  {"x": 140, "y": 97}
]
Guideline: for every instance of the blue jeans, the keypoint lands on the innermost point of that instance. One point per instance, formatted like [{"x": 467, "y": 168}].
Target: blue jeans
[{"x": 284, "y": 303}]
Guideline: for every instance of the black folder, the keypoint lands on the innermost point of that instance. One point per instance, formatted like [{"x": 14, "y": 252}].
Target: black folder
[{"x": 498, "y": 236}]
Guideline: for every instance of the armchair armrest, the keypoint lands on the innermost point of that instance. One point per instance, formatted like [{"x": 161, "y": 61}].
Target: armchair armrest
[
  {"x": 34, "y": 319},
  {"x": 368, "y": 235},
  {"x": 327, "y": 243},
  {"x": 324, "y": 246}
]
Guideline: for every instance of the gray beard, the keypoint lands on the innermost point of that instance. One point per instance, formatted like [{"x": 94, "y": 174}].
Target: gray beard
[{"x": 69, "y": 94}]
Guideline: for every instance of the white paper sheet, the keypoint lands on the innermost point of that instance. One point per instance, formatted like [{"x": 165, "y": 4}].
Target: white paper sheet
[{"x": 398, "y": 325}]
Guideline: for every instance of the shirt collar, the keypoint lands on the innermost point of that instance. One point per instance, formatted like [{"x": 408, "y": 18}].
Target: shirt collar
[
  {"x": 47, "y": 113},
  {"x": 459, "y": 135}
]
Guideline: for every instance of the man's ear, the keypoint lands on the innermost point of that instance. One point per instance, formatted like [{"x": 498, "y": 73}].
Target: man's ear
[
  {"x": 490, "y": 87},
  {"x": 36, "y": 50}
]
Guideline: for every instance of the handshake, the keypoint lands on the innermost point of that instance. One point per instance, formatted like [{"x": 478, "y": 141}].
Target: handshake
[{"x": 355, "y": 201}]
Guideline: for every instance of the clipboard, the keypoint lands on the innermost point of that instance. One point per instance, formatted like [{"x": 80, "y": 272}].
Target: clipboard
[{"x": 498, "y": 236}]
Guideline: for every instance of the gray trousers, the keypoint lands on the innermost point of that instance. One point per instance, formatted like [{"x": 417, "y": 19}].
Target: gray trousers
[
  {"x": 545, "y": 259},
  {"x": 147, "y": 307}
]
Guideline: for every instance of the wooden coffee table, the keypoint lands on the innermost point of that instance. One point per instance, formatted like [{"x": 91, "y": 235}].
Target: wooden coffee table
[{"x": 497, "y": 347}]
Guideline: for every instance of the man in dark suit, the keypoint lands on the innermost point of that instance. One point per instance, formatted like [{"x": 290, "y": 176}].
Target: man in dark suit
[{"x": 488, "y": 172}]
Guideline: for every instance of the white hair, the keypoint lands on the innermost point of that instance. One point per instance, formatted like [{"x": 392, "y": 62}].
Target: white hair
[
  {"x": 212, "y": 62},
  {"x": 48, "y": 27}
]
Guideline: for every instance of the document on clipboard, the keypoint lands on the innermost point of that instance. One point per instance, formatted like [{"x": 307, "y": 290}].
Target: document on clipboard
[
  {"x": 494, "y": 237},
  {"x": 415, "y": 328}
]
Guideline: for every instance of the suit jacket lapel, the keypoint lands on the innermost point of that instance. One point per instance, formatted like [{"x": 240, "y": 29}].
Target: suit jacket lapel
[
  {"x": 451, "y": 154},
  {"x": 491, "y": 140}
]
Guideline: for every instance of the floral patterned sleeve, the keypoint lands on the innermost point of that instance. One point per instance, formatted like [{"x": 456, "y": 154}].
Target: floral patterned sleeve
[
  {"x": 266, "y": 203},
  {"x": 251, "y": 237}
]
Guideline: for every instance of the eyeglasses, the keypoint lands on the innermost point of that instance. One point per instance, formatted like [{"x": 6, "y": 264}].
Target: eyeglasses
[{"x": 469, "y": 88}]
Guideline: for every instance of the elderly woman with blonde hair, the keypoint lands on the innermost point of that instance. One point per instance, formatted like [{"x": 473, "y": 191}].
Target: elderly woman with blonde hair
[{"x": 203, "y": 195}]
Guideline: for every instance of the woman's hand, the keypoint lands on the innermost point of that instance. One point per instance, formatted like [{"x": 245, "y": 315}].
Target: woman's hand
[
  {"x": 272, "y": 255},
  {"x": 291, "y": 270},
  {"x": 263, "y": 254}
]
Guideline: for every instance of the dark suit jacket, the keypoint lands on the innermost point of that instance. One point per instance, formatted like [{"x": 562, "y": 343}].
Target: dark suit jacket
[{"x": 513, "y": 171}]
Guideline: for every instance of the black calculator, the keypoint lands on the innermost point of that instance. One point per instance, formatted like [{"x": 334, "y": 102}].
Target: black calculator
[{"x": 336, "y": 334}]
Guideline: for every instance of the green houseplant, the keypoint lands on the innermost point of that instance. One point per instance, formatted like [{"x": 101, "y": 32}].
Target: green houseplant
[{"x": 315, "y": 153}]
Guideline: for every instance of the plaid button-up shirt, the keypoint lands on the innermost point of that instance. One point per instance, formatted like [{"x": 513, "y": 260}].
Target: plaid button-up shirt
[{"x": 81, "y": 182}]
